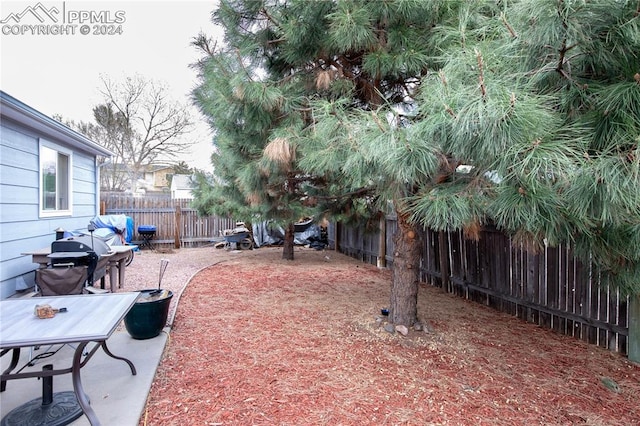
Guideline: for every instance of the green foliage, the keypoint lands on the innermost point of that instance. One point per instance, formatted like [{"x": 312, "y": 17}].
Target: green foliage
[
  {"x": 411, "y": 161},
  {"x": 545, "y": 112},
  {"x": 607, "y": 188},
  {"x": 522, "y": 114},
  {"x": 616, "y": 116},
  {"x": 351, "y": 27},
  {"x": 447, "y": 207},
  {"x": 303, "y": 28},
  {"x": 532, "y": 207}
]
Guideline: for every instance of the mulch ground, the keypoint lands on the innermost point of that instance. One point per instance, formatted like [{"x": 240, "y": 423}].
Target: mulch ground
[{"x": 261, "y": 341}]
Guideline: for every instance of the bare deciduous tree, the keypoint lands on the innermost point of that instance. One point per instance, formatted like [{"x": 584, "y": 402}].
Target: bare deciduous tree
[{"x": 142, "y": 123}]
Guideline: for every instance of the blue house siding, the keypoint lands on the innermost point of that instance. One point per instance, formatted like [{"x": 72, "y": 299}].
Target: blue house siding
[{"x": 21, "y": 227}]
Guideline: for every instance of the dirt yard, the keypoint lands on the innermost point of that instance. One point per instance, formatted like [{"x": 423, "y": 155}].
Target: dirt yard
[{"x": 261, "y": 341}]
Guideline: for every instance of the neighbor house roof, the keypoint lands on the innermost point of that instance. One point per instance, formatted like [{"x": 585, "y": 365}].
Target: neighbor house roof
[
  {"x": 181, "y": 182},
  {"x": 13, "y": 109}
]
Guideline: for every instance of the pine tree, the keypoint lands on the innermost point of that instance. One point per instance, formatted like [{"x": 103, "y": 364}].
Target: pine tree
[
  {"x": 545, "y": 107},
  {"x": 305, "y": 70},
  {"x": 255, "y": 109},
  {"x": 378, "y": 142},
  {"x": 593, "y": 74},
  {"x": 316, "y": 74},
  {"x": 454, "y": 114}
]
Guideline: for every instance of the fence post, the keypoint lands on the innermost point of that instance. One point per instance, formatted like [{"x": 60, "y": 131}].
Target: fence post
[
  {"x": 382, "y": 243},
  {"x": 444, "y": 259},
  {"x": 634, "y": 328},
  {"x": 177, "y": 226}
]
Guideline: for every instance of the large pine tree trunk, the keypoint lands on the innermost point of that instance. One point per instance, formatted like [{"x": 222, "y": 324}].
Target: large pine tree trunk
[
  {"x": 287, "y": 248},
  {"x": 405, "y": 274}
]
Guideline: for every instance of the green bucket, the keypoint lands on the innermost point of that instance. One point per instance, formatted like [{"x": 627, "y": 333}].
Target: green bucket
[{"x": 148, "y": 316}]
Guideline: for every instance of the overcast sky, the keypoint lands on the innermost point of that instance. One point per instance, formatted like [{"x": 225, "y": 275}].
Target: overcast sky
[{"x": 60, "y": 73}]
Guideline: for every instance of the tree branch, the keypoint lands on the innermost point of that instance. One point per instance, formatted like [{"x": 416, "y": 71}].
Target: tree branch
[
  {"x": 239, "y": 56},
  {"x": 483, "y": 88},
  {"x": 356, "y": 193},
  {"x": 509, "y": 27}
]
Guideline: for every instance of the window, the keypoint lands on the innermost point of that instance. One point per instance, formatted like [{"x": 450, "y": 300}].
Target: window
[{"x": 55, "y": 180}]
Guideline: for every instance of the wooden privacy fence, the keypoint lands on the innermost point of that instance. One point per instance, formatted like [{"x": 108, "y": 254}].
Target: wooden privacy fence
[
  {"x": 175, "y": 221},
  {"x": 550, "y": 288}
]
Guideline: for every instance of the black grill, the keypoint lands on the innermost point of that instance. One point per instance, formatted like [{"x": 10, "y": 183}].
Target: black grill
[{"x": 81, "y": 251}]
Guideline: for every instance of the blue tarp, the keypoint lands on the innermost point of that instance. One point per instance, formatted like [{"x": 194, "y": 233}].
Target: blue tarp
[
  {"x": 118, "y": 223},
  {"x": 129, "y": 234}
]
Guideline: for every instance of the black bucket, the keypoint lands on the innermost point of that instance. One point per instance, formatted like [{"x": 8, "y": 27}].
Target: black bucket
[{"x": 148, "y": 316}]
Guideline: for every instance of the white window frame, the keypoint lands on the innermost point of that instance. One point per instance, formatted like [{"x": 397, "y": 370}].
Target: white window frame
[{"x": 45, "y": 213}]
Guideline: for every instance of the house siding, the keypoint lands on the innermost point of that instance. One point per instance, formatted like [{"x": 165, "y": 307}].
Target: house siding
[
  {"x": 21, "y": 227},
  {"x": 182, "y": 194}
]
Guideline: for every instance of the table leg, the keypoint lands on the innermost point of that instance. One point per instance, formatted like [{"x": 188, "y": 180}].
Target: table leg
[
  {"x": 15, "y": 356},
  {"x": 121, "y": 268},
  {"x": 113, "y": 269},
  {"x": 58, "y": 409},
  {"x": 108, "y": 352},
  {"x": 83, "y": 400}
]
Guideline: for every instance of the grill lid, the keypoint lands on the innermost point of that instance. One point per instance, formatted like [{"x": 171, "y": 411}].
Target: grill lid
[{"x": 81, "y": 243}]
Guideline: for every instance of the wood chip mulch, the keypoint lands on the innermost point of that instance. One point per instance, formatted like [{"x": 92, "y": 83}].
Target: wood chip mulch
[{"x": 257, "y": 340}]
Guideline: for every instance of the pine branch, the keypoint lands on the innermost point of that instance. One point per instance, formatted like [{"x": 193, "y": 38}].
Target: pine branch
[
  {"x": 270, "y": 18},
  {"x": 203, "y": 43},
  {"x": 277, "y": 40},
  {"x": 353, "y": 194},
  {"x": 483, "y": 88},
  {"x": 450, "y": 111},
  {"x": 239, "y": 55},
  {"x": 377, "y": 120},
  {"x": 443, "y": 78},
  {"x": 509, "y": 27},
  {"x": 560, "y": 67}
]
